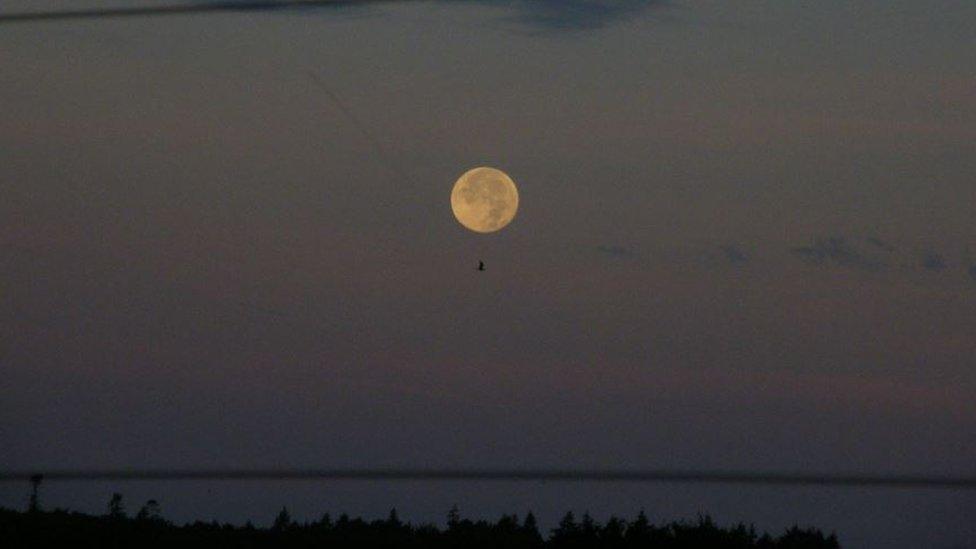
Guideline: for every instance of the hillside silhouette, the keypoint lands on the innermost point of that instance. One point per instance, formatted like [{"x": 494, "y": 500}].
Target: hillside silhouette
[{"x": 147, "y": 528}]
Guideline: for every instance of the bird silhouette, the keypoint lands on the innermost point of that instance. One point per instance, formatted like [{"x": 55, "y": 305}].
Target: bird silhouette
[{"x": 481, "y": 265}]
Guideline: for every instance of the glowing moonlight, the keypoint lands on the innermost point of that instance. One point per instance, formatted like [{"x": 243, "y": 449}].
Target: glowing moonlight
[{"x": 484, "y": 200}]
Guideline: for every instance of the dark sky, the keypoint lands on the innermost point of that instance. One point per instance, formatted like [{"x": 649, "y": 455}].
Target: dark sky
[{"x": 746, "y": 241}]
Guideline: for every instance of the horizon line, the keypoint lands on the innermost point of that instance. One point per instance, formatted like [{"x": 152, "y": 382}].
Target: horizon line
[{"x": 505, "y": 475}]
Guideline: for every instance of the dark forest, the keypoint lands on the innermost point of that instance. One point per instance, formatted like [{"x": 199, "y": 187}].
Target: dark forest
[{"x": 148, "y": 528}]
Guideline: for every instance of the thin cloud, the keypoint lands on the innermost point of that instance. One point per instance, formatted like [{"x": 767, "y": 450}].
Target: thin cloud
[
  {"x": 734, "y": 255},
  {"x": 837, "y": 251},
  {"x": 880, "y": 244},
  {"x": 575, "y": 14},
  {"x": 616, "y": 252},
  {"x": 548, "y": 14},
  {"x": 932, "y": 261},
  {"x": 176, "y": 8}
]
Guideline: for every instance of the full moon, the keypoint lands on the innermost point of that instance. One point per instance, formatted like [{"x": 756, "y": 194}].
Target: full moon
[{"x": 484, "y": 200}]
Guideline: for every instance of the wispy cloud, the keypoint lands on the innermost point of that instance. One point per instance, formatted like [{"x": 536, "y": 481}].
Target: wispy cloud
[
  {"x": 874, "y": 254},
  {"x": 616, "y": 252},
  {"x": 733, "y": 254},
  {"x": 175, "y": 8},
  {"x": 880, "y": 244},
  {"x": 932, "y": 261},
  {"x": 837, "y": 251},
  {"x": 574, "y": 14},
  {"x": 548, "y": 14}
]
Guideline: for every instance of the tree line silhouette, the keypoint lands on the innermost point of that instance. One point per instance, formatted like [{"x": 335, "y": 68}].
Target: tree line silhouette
[{"x": 147, "y": 528}]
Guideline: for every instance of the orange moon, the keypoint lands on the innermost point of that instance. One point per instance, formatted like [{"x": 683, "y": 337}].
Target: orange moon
[{"x": 484, "y": 200}]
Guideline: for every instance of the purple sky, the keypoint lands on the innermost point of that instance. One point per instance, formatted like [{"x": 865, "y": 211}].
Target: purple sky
[{"x": 746, "y": 241}]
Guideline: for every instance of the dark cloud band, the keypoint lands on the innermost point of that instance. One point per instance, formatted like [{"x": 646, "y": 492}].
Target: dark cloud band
[
  {"x": 552, "y": 14},
  {"x": 174, "y": 9}
]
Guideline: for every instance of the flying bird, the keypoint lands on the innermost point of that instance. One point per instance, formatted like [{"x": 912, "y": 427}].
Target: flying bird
[{"x": 481, "y": 265}]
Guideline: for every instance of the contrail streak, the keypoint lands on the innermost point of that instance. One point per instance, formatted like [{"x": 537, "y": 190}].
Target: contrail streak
[
  {"x": 377, "y": 146},
  {"x": 507, "y": 475}
]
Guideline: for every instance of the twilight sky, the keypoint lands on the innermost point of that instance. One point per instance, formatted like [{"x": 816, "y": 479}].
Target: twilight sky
[{"x": 746, "y": 241}]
